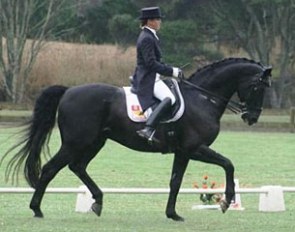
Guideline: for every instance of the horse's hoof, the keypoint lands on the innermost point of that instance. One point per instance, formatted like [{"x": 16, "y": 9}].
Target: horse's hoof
[
  {"x": 176, "y": 217},
  {"x": 38, "y": 214},
  {"x": 96, "y": 208},
  {"x": 224, "y": 206}
]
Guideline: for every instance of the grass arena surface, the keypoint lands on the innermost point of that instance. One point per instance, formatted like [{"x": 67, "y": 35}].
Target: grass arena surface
[{"x": 259, "y": 159}]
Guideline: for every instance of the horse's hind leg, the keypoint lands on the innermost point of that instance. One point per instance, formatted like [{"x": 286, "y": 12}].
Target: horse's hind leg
[
  {"x": 79, "y": 165},
  {"x": 60, "y": 160}
]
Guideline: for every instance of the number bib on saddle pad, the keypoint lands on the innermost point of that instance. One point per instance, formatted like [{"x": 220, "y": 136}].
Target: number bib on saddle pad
[{"x": 134, "y": 109}]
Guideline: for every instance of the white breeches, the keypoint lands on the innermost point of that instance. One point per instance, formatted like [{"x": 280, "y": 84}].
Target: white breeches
[{"x": 161, "y": 90}]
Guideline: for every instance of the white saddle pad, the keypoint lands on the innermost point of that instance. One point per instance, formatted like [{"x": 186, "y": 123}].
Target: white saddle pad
[{"x": 134, "y": 109}]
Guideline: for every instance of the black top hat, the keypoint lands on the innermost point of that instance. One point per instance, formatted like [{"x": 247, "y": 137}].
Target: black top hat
[{"x": 150, "y": 13}]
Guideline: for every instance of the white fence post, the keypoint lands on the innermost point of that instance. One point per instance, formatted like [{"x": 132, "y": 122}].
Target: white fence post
[{"x": 273, "y": 201}]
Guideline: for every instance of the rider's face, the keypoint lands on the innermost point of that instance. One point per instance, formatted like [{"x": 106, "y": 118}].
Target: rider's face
[{"x": 154, "y": 24}]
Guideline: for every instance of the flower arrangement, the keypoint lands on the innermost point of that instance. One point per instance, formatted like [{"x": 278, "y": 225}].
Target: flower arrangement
[{"x": 208, "y": 198}]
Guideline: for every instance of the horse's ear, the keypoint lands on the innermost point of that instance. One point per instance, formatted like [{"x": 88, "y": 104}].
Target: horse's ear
[
  {"x": 267, "y": 71},
  {"x": 267, "y": 75}
]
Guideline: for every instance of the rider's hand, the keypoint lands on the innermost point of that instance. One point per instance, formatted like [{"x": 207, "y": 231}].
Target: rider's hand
[{"x": 177, "y": 72}]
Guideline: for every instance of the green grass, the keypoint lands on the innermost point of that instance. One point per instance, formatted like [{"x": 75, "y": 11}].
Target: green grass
[
  {"x": 259, "y": 159},
  {"x": 262, "y": 118},
  {"x": 15, "y": 113}
]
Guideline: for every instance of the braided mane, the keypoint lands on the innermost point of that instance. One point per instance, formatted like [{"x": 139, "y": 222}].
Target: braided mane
[{"x": 225, "y": 61}]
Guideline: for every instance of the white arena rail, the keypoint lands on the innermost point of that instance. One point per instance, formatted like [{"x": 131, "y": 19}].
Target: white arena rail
[
  {"x": 83, "y": 189},
  {"x": 271, "y": 197}
]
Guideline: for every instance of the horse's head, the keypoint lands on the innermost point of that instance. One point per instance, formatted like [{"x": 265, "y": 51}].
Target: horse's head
[{"x": 251, "y": 93}]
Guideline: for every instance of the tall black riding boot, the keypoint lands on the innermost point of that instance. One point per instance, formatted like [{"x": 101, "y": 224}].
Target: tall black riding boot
[{"x": 154, "y": 119}]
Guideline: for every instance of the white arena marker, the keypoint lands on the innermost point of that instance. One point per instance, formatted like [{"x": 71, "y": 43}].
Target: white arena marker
[
  {"x": 84, "y": 200},
  {"x": 273, "y": 201}
]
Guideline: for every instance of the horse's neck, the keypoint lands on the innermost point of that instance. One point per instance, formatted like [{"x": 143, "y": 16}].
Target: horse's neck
[
  {"x": 219, "y": 87},
  {"x": 197, "y": 99},
  {"x": 222, "y": 79},
  {"x": 223, "y": 84}
]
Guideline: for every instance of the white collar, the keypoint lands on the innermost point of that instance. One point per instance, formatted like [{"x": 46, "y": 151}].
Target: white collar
[{"x": 153, "y": 31}]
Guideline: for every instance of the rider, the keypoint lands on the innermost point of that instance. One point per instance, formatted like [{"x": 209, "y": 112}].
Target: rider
[{"x": 146, "y": 79}]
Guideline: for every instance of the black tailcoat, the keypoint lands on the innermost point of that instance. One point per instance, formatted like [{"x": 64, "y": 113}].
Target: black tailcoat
[{"x": 148, "y": 64}]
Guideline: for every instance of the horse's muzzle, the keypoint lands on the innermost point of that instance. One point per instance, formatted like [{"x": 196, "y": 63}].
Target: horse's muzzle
[{"x": 250, "y": 118}]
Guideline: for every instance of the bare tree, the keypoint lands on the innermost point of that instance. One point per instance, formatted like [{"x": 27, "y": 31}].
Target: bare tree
[
  {"x": 17, "y": 53},
  {"x": 265, "y": 30}
]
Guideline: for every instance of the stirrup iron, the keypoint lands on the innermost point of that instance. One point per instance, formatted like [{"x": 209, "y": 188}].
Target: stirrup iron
[{"x": 151, "y": 139}]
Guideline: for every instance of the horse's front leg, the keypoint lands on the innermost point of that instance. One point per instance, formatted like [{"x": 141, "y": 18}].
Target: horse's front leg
[
  {"x": 205, "y": 154},
  {"x": 179, "y": 166}
]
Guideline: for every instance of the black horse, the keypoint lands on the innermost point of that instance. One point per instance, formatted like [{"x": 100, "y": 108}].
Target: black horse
[{"x": 90, "y": 114}]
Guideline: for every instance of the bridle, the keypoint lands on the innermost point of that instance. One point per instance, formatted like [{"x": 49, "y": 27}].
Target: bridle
[
  {"x": 259, "y": 84},
  {"x": 235, "y": 107}
]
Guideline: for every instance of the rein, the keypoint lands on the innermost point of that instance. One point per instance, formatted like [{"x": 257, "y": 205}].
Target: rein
[{"x": 233, "y": 106}]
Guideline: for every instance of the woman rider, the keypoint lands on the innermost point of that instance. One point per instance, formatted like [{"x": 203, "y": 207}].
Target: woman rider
[{"x": 146, "y": 79}]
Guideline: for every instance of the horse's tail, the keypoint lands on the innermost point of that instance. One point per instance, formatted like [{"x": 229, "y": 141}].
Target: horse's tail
[{"x": 36, "y": 135}]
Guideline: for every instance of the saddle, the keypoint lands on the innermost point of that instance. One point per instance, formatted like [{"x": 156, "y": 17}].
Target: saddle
[{"x": 134, "y": 109}]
